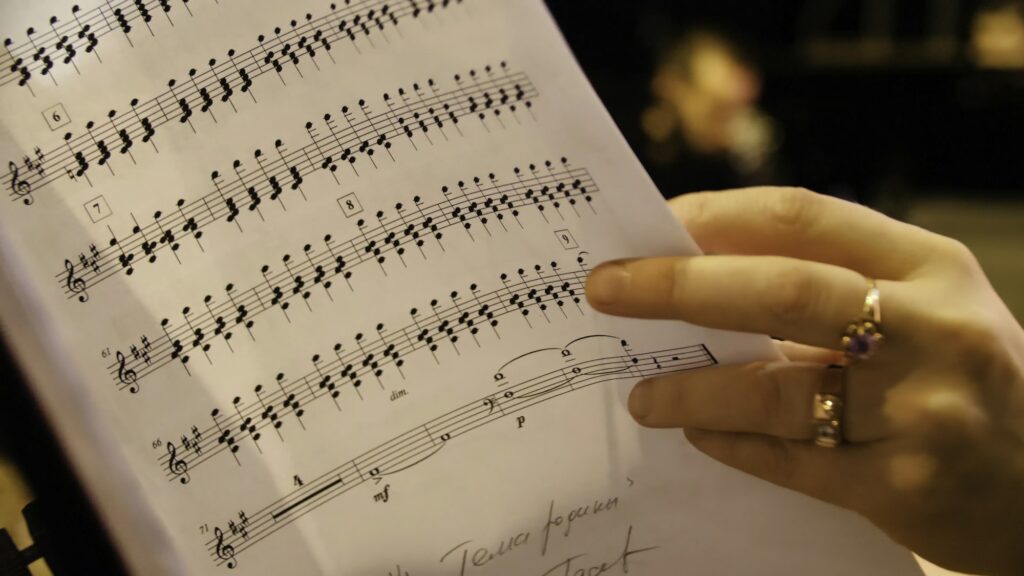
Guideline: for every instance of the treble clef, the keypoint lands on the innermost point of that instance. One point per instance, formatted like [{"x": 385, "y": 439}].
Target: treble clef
[
  {"x": 19, "y": 187},
  {"x": 177, "y": 467},
  {"x": 126, "y": 375},
  {"x": 75, "y": 284},
  {"x": 224, "y": 551}
]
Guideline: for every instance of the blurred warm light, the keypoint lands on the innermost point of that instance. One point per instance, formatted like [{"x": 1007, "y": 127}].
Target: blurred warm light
[
  {"x": 659, "y": 123},
  {"x": 708, "y": 94},
  {"x": 704, "y": 89},
  {"x": 997, "y": 37}
]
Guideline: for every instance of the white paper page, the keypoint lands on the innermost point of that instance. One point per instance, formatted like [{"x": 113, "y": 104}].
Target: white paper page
[{"x": 300, "y": 286}]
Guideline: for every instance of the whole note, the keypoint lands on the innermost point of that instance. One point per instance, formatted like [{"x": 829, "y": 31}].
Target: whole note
[
  {"x": 224, "y": 551},
  {"x": 125, "y": 375},
  {"x": 75, "y": 284},
  {"x": 177, "y": 467},
  {"x": 19, "y": 187}
]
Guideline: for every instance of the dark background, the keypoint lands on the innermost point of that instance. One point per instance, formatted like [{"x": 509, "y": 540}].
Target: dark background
[{"x": 881, "y": 130}]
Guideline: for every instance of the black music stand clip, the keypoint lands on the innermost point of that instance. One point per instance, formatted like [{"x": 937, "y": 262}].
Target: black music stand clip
[{"x": 14, "y": 562}]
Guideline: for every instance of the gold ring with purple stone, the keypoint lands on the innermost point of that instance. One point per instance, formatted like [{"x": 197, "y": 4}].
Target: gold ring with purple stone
[{"x": 864, "y": 336}]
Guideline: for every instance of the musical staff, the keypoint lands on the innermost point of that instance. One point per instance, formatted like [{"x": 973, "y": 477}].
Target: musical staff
[
  {"x": 59, "y": 43},
  {"x": 420, "y": 443},
  {"x": 480, "y": 203},
  {"x": 410, "y": 115},
  {"x": 299, "y": 249},
  {"x": 215, "y": 83},
  {"x": 541, "y": 290}
]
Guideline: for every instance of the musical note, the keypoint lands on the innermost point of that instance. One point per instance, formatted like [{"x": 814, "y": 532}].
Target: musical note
[
  {"x": 247, "y": 426},
  {"x": 82, "y": 32},
  {"x": 182, "y": 103},
  {"x": 122, "y": 22},
  {"x": 277, "y": 289},
  {"x": 144, "y": 14},
  {"x": 379, "y": 232},
  {"x": 390, "y": 350},
  {"x": 126, "y": 139},
  {"x": 223, "y": 205},
  {"x": 590, "y": 365},
  {"x": 225, "y": 437},
  {"x": 213, "y": 84},
  {"x": 103, "y": 151}
]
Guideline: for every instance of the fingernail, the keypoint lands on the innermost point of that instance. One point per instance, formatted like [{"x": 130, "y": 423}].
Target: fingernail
[
  {"x": 607, "y": 283},
  {"x": 641, "y": 401}
]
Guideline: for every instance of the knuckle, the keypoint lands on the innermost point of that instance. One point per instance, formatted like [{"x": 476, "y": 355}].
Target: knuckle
[
  {"x": 956, "y": 254},
  {"x": 976, "y": 353},
  {"x": 788, "y": 294},
  {"x": 793, "y": 208},
  {"x": 968, "y": 337},
  {"x": 980, "y": 351}
]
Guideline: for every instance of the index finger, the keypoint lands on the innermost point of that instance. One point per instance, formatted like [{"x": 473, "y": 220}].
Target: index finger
[
  {"x": 798, "y": 300},
  {"x": 800, "y": 224}
]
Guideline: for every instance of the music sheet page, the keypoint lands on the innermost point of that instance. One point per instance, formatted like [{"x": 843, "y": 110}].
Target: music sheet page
[{"x": 301, "y": 287}]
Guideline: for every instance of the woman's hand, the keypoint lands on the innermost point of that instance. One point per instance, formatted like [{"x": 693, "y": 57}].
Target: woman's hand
[{"x": 933, "y": 423}]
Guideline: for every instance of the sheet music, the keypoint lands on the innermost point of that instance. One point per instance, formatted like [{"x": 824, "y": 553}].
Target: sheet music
[{"x": 300, "y": 286}]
